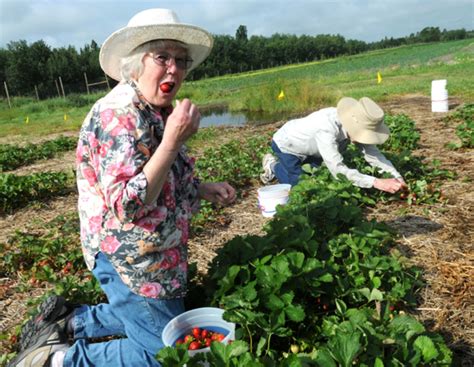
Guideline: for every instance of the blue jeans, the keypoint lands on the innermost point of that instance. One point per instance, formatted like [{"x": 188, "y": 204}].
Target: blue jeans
[
  {"x": 139, "y": 320},
  {"x": 288, "y": 168}
]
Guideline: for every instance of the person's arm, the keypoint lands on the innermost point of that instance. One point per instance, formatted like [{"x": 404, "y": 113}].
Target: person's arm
[
  {"x": 220, "y": 192},
  {"x": 180, "y": 126},
  {"x": 375, "y": 158},
  {"x": 328, "y": 149}
]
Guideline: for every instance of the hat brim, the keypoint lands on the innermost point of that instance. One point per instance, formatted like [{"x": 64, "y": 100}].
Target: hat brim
[
  {"x": 120, "y": 43},
  {"x": 346, "y": 109}
]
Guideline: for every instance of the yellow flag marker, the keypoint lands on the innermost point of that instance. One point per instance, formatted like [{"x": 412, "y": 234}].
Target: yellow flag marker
[
  {"x": 379, "y": 77},
  {"x": 65, "y": 117},
  {"x": 27, "y": 119},
  {"x": 281, "y": 95}
]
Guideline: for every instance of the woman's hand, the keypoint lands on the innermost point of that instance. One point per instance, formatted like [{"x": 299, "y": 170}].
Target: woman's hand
[
  {"x": 391, "y": 185},
  {"x": 181, "y": 124},
  {"x": 220, "y": 193}
]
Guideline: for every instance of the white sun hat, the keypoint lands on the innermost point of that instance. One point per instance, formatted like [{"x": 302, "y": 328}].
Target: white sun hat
[
  {"x": 363, "y": 120},
  {"x": 150, "y": 25}
]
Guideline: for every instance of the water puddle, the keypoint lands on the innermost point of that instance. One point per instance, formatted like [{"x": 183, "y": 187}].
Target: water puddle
[{"x": 220, "y": 116}]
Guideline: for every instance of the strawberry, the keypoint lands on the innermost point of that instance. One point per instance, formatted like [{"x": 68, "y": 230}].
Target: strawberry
[
  {"x": 194, "y": 345},
  {"x": 166, "y": 87}
]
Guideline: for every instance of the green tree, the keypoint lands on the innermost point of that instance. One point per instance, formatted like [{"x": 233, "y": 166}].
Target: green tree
[{"x": 241, "y": 34}]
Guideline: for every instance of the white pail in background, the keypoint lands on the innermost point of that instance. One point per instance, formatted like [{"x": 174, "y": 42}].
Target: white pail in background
[
  {"x": 439, "y": 96},
  {"x": 271, "y": 196}
]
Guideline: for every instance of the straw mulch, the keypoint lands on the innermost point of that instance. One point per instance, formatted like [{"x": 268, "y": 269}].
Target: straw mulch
[{"x": 438, "y": 238}]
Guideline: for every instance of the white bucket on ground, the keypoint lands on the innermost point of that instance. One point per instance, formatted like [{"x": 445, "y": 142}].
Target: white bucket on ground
[
  {"x": 209, "y": 318},
  {"x": 439, "y": 96},
  {"x": 271, "y": 196}
]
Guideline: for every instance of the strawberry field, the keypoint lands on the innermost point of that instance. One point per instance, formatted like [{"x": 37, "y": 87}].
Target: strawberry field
[{"x": 339, "y": 277}]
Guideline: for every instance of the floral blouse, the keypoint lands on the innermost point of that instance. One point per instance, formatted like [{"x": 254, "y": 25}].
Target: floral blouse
[{"x": 147, "y": 244}]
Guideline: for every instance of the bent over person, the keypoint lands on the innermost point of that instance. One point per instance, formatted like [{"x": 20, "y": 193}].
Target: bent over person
[
  {"x": 137, "y": 192},
  {"x": 323, "y": 135}
]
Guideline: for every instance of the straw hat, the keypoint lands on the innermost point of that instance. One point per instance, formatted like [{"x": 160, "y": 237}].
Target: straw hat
[
  {"x": 149, "y": 25},
  {"x": 363, "y": 120}
]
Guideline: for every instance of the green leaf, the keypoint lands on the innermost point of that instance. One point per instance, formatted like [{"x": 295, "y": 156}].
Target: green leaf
[
  {"x": 296, "y": 260},
  {"x": 341, "y": 306},
  {"x": 326, "y": 278},
  {"x": 344, "y": 346},
  {"x": 274, "y": 303},
  {"x": 295, "y": 313},
  {"x": 378, "y": 362},
  {"x": 323, "y": 358},
  {"x": 376, "y": 295},
  {"x": 427, "y": 348},
  {"x": 170, "y": 356}
]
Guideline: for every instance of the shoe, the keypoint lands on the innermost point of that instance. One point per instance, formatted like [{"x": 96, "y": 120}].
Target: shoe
[
  {"x": 267, "y": 162},
  {"x": 50, "y": 311},
  {"x": 43, "y": 345}
]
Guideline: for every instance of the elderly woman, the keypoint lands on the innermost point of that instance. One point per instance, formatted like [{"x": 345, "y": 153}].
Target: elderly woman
[{"x": 137, "y": 193}]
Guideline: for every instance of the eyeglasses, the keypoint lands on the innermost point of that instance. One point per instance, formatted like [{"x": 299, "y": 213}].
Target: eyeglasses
[{"x": 164, "y": 59}]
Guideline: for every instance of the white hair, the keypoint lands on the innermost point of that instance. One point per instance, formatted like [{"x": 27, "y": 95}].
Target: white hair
[{"x": 131, "y": 66}]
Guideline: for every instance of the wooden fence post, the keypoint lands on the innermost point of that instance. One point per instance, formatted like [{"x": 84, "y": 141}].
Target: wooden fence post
[
  {"x": 87, "y": 84},
  {"x": 8, "y": 95},
  {"x": 62, "y": 87},
  {"x": 37, "y": 94},
  {"x": 107, "y": 80},
  {"x": 57, "y": 88}
]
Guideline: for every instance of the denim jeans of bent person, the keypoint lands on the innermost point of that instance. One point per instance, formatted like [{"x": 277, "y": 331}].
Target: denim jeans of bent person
[
  {"x": 140, "y": 320},
  {"x": 288, "y": 168}
]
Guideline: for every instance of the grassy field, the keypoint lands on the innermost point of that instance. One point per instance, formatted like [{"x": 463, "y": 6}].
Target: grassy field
[{"x": 307, "y": 86}]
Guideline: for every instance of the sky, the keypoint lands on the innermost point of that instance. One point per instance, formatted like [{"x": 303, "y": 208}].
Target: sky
[{"x": 63, "y": 23}]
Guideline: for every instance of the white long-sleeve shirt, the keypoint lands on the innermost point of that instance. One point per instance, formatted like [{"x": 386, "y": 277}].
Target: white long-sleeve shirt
[{"x": 321, "y": 134}]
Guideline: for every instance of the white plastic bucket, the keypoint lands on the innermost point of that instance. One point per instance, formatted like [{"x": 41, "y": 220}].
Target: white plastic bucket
[
  {"x": 439, "y": 96},
  {"x": 209, "y": 318},
  {"x": 271, "y": 196}
]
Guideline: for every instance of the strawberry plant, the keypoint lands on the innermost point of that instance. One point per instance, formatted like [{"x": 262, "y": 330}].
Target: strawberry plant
[
  {"x": 235, "y": 162},
  {"x": 12, "y": 156},
  {"x": 465, "y": 128},
  {"x": 18, "y": 191},
  {"x": 403, "y": 134},
  {"x": 320, "y": 286}
]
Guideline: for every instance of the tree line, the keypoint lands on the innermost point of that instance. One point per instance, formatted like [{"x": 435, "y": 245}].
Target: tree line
[{"x": 26, "y": 66}]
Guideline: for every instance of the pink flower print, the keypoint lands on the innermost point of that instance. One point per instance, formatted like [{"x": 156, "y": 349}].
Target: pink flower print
[
  {"x": 151, "y": 290},
  {"x": 104, "y": 148},
  {"x": 93, "y": 142},
  {"x": 89, "y": 174},
  {"x": 175, "y": 283},
  {"x": 121, "y": 171},
  {"x": 183, "y": 266},
  {"x": 107, "y": 116},
  {"x": 95, "y": 223},
  {"x": 109, "y": 245},
  {"x": 167, "y": 197},
  {"x": 147, "y": 224},
  {"x": 80, "y": 152},
  {"x": 171, "y": 259},
  {"x": 153, "y": 219},
  {"x": 126, "y": 123},
  {"x": 112, "y": 223},
  {"x": 182, "y": 224}
]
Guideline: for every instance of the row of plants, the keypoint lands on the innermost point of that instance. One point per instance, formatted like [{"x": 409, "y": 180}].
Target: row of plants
[
  {"x": 19, "y": 191},
  {"x": 464, "y": 118},
  {"x": 36, "y": 255},
  {"x": 14, "y": 156},
  {"x": 324, "y": 286}
]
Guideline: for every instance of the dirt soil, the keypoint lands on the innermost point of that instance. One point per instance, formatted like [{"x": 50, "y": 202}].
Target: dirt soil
[{"x": 438, "y": 238}]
